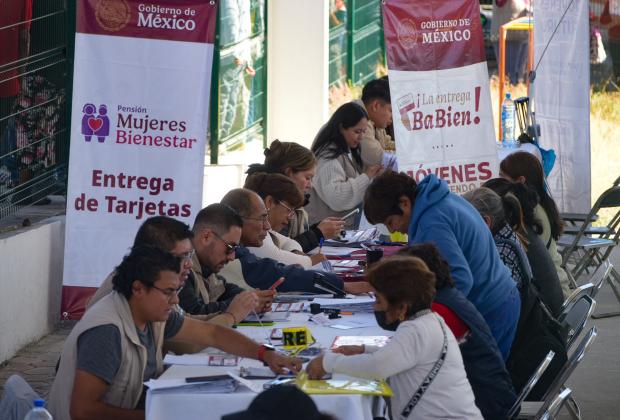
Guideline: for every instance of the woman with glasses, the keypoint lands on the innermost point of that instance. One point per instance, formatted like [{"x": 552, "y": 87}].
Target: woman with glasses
[
  {"x": 341, "y": 182},
  {"x": 299, "y": 164},
  {"x": 281, "y": 197}
]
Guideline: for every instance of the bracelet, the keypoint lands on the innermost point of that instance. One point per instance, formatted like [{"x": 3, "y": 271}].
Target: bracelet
[{"x": 233, "y": 317}]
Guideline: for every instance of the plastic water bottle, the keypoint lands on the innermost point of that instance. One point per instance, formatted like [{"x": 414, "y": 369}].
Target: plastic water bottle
[
  {"x": 38, "y": 412},
  {"x": 508, "y": 123}
]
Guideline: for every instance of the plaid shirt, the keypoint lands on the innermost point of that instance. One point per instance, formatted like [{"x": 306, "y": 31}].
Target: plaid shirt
[{"x": 509, "y": 253}]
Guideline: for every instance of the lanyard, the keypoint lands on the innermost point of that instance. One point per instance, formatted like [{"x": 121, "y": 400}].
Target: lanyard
[{"x": 415, "y": 399}]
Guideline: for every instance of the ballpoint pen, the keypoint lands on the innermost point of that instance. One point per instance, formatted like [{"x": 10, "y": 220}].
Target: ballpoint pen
[{"x": 261, "y": 324}]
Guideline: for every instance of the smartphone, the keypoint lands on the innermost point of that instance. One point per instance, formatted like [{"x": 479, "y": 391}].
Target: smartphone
[
  {"x": 351, "y": 213},
  {"x": 210, "y": 378},
  {"x": 257, "y": 373}
]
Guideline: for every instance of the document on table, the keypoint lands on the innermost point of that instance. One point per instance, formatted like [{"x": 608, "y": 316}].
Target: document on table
[
  {"x": 356, "y": 304},
  {"x": 334, "y": 251},
  {"x": 195, "y": 359},
  {"x": 348, "y": 324},
  {"x": 180, "y": 386},
  {"x": 354, "y": 237},
  {"x": 268, "y": 317}
]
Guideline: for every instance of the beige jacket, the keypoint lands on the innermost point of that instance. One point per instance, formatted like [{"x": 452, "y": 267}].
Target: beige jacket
[
  {"x": 126, "y": 388},
  {"x": 552, "y": 247},
  {"x": 338, "y": 187},
  {"x": 298, "y": 224},
  {"x": 105, "y": 289},
  {"x": 211, "y": 288},
  {"x": 374, "y": 142}
]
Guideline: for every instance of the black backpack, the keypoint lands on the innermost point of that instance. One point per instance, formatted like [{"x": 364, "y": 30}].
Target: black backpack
[{"x": 538, "y": 332}]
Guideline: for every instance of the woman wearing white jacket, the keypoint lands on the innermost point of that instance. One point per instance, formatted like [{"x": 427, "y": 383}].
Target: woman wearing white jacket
[
  {"x": 340, "y": 181},
  {"x": 423, "y": 349}
]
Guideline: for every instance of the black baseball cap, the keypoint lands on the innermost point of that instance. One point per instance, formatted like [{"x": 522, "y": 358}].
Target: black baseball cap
[{"x": 282, "y": 402}]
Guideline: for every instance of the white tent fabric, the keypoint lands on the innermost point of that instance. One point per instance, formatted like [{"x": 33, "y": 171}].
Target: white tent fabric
[{"x": 562, "y": 98}]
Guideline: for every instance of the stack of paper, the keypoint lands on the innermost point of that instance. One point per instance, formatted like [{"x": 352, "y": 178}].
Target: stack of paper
[
  {"x": 334, "y": 251},
  {"x": 268, "y": 317},
  {"x": 354, "y": 237},
  {"x": 358, "y": 340},
  {"x": 180, "y": 386},
  {"x": 357, "y": 304}
]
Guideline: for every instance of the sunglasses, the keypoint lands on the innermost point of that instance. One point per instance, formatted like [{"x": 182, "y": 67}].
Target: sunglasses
[{"x": 230, "y": 248}]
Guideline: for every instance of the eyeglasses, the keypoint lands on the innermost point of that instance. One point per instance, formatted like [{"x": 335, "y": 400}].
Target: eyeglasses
[
  {"x": 264, "y": 219},
  {"x": 186, "y": 255},
  {"x": 291, "y": 212},
  {"x": 230, "y": 248},
  {"x": 169, "y": 293}
]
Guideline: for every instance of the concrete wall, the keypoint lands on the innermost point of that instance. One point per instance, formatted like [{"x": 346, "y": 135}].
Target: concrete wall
[
  {"x": 298, "y": 69},
  {"x": 30, "y": 283}
]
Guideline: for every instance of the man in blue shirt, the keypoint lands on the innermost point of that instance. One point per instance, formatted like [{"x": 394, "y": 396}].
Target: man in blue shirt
[{"x": 429, "y": 212}]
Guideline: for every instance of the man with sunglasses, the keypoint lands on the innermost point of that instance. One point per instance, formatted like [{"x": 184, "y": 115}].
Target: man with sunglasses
[
  {"x": 174, "y": 236},
  {"x": 117, "y": 345},
  {"x": 217, "y": 232}
]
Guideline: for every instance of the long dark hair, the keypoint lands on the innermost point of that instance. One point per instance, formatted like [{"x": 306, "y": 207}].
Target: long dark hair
[
  {"x": 330, "y": 142},
  {"x": 528, "y": 166},
  {"x": 528, "y": 199}
]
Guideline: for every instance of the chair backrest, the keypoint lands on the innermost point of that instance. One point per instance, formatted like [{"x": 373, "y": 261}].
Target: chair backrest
[
  {"x": 530, "y": 384},
  {"x": 608, "y": 199},
  {"x": 572, "y": 363},
  {"x": 551, "y": 412},
  {"x": 585, "y": 289},
  {"x": 576, "y": 314},
  {"x": 599, "y": 276}
]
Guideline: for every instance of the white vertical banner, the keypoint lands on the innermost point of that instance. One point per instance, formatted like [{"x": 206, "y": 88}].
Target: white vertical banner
[
  {"x": 562, "y": 97},
  {"x": 440, "y": 89},
  {"x": 141, "y": 87}
]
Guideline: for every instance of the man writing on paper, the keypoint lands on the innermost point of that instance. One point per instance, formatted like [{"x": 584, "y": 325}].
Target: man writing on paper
[
  {"x": 175, "y": 237},
  {"x": 118, "y": 343},
  {"x": 248, "y": 270},
  {"x": 217, "y": 232}
]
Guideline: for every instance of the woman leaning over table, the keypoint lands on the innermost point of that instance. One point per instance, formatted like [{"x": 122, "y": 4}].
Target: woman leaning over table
[
  {"x": 405, "y": 289},
  {"x": 340, "y": 182},
  {"x": 299, "y": 164}
]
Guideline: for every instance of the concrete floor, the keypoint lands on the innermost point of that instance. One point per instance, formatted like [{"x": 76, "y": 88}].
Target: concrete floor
[{"x": 596, "y": 381}]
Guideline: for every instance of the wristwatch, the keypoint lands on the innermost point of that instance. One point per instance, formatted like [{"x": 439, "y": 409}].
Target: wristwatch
[{"x": 264, "y": 348}]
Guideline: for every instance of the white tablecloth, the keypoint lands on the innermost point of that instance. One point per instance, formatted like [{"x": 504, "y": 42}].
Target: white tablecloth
[{"x": 212, "y": 406}]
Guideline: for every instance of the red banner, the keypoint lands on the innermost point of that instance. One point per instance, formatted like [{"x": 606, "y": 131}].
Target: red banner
[
  {"x": 440, "y": 87},
  {"x": 174, "y": 20}
]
